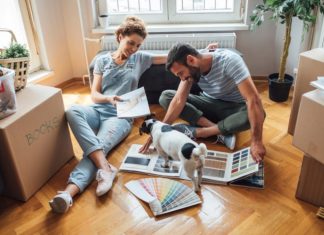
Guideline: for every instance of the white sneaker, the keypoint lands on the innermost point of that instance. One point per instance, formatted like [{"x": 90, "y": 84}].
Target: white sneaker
[
  {"x": 105, "y": 180},
  {"x": 228, "y": 140},
  {"x": 61, "y": 202}
]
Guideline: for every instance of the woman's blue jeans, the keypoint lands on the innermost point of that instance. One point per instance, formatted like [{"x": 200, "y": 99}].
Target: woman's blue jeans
[{"x": 94, "y": 131}]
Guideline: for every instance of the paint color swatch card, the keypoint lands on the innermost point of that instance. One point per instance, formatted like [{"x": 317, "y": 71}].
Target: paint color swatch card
[
  {"x": 221, "y": 167},
  {"x": 149, "y": 163},
  {"x": 163, "y": 195},
  {"x": 134, "y": 104}
]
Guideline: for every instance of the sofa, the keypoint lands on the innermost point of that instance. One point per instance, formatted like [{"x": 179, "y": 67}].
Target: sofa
[{"x": 155, "y": 79}]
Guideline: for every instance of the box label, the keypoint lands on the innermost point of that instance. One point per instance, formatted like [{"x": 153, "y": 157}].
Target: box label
[{"x": 44, "y": 129}]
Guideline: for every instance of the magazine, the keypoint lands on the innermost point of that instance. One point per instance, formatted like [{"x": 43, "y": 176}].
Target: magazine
[
  {"x": 220, "y": 167},
  {"x": 134, "y": 104},
  {"x": 163, "y": 195},
  {"x": 255, "y": 180}
]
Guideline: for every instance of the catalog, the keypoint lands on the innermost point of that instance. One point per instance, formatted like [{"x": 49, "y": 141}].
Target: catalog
[
  {"x": 134, "y": 104},
  {"x": 220, "y": 167}
]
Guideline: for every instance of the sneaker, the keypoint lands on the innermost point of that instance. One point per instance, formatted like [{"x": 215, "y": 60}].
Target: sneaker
[
  {"x": 227, "y": 140},
  {"x": 61, "y": 202},
  {"x": 189, "y": 131},
  {"x": 105, "y": 180}
]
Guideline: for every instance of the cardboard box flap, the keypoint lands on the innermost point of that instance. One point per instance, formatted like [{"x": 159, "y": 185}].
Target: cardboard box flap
[
  {"x": 315, "y": 54},
  {"x": 32, "y": 92}
]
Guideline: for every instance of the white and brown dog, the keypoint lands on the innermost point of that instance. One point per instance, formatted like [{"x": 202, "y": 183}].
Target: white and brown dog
[{"x": 169, "y": 142}]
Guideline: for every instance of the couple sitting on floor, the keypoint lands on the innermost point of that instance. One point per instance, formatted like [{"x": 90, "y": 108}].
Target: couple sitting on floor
[{"x": 228, "y": 104}]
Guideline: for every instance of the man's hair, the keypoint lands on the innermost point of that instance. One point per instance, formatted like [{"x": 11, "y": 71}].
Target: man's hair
[
  {"x": 131, "y": 25},
  {"x": 178, "y": 53}
]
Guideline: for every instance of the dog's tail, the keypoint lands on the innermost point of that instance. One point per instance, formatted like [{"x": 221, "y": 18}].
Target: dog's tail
[{"x": 199, "y": 153}]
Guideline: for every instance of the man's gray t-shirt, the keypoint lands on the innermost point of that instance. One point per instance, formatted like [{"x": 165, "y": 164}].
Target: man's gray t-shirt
[
  {"x": 227, "y": 71},
  {"x": 120, "y": 79}
]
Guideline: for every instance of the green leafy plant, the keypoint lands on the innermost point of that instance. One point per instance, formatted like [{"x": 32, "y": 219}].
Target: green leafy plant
[
  {"x": 284, "y": 11},
  {"x": 16, "y": 50}
]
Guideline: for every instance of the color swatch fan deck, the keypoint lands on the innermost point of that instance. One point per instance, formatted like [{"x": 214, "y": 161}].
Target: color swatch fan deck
[{"x": 163, "y": 195}]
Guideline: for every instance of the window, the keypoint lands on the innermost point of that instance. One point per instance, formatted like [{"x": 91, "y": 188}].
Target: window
[
  {"x": 16, "y": 17},
  {"x": 174, "y": 11}
]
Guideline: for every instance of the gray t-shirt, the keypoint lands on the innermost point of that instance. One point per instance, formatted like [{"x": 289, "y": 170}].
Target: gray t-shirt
[
  {"x": 120, "y": 79},
  {"x": 227, "y": 71}
]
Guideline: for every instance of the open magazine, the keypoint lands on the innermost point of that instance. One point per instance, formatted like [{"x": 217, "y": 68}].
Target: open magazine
[
  {"x": 220, "y": 167},
  {"x": 134, "y": 104},
  {"x": 256, "y": 180}
]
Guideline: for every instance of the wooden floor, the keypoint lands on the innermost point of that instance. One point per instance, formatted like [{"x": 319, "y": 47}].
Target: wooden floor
[{"x": 224, "y": 210}]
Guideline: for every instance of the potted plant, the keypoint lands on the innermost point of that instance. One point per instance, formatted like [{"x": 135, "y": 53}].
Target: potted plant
[
  {"x": 284, "y": 11},
  {"x": 16, "y": 57}
]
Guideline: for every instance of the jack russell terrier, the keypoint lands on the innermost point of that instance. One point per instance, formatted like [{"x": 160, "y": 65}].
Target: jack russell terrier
[{"x": 169, "y": 142}]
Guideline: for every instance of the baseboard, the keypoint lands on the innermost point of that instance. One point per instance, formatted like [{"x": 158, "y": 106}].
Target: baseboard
[
  {"x": 79, "y": 80},
  {"x": 260, "y": 78},
  {"x": 71, "y": 82}
]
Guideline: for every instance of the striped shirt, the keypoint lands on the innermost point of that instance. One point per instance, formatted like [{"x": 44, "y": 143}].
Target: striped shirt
[{"x": 227, "y": 71}]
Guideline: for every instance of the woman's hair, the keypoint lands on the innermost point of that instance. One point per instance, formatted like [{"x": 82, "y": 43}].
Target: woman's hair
[{"x": 131, "y": 25}]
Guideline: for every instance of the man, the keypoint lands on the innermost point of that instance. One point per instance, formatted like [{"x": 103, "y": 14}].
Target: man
[{"x": 229, "y": 103}]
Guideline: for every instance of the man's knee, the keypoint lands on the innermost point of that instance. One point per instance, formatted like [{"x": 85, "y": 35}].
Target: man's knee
[{"x": 166, "y": 97}]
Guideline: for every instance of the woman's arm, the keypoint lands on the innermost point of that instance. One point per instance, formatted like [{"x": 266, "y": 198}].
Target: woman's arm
[
  {"x": 159, "y": 59},
  {"x": 97, "y": 96},
  {"x": 162, "y": 59}
]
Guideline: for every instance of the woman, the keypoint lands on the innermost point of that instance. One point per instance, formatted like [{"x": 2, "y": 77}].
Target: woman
[{"x": 96, "y": 127}]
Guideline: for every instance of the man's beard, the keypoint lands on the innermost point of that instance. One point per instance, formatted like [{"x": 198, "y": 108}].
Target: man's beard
[{"x": 194, "y": 73}]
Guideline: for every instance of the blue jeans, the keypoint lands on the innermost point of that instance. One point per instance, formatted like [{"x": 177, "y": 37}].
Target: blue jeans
[{"x": 94, "y": 130}]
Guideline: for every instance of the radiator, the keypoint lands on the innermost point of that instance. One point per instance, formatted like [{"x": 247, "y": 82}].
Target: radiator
[{"x": 165, "y": 41}]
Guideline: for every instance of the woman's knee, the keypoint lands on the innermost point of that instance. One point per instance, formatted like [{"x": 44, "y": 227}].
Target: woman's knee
[
  {"x": 72, "y": 112},
  {"x": 166, "y": 97}
]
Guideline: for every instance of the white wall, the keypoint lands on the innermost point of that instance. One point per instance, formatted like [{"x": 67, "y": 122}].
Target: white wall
[
  {"x": 61, "y": 25},
  {"x": 61, "y": 31}
]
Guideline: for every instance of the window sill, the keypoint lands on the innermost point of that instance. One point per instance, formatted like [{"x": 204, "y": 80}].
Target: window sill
[
  {"x": 39, "y": 76},
  {"x": 180, "y": 28}
]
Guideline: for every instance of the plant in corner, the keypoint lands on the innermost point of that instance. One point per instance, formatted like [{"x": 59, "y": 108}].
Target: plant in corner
[{"x": 284, "y": 11}]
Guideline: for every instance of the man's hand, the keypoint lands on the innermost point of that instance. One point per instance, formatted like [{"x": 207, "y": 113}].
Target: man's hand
[
  {"x": 257, "y": 151},
  {"x": 146, "y": 146}
]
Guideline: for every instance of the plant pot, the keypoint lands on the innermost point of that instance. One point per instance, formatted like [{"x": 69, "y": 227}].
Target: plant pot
[{"x": 279, "y": 91}]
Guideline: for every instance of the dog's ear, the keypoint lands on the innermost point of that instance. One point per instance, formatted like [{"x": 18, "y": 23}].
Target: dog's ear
[{"x": 151, "y": 116}]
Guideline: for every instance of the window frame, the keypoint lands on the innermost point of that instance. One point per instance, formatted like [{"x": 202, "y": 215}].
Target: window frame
[
  {"x": 34, "y": 51},
  {"x": 170, "y": 16}
]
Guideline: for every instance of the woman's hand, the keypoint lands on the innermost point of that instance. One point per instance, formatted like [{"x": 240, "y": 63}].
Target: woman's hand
[
  {"x": 113, "y": 99},
  {"x": 212, "y": 46}
]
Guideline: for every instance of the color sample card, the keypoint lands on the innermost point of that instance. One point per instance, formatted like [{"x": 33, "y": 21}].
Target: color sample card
[
  {"x": 163, "y": 195},
  {"x": 225, "y": 167}
]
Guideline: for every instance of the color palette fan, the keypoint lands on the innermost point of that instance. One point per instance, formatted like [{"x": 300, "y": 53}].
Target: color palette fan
[{"x": 163, "y": 195}]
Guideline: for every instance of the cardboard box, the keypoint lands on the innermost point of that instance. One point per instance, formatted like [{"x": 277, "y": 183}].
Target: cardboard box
[
  {"x": 310, "y": 185},
  {"x": 311, "y": 65},
  {"x": 35, "y": 141},
  {"x": 309, "y": 131}
]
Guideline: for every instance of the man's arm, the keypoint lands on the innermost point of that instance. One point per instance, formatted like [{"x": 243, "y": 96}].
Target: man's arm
[
  {"x": 256, "y": 117},
  {"x": 174, "y": 110},
  {"x": 178, "y": 102}
]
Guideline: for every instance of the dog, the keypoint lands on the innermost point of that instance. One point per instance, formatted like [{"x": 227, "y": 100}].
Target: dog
[{"x": 169, "y": 142}]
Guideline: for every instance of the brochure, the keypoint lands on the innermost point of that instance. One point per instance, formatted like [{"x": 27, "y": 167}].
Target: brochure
[
  {"x": 134, "y": 104},
  {"x": 220, "y": 167}
]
